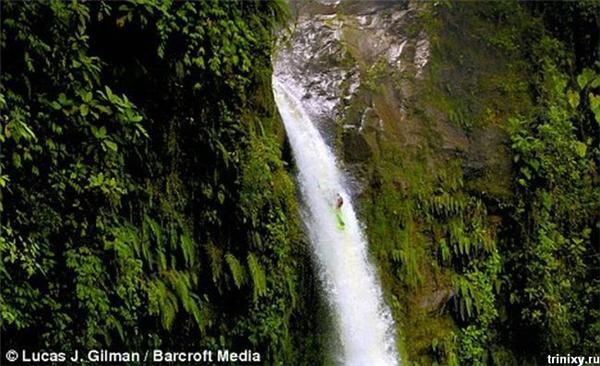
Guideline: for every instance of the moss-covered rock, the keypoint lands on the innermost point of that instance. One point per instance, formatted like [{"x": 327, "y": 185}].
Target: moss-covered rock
[{"x": 417, "y": 106}]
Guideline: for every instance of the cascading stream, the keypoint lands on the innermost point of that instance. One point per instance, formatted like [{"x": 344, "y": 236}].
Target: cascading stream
[{"x": 364, "y": 323}]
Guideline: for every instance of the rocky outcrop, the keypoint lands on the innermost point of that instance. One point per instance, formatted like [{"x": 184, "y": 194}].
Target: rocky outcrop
[
  {"x": 361, "y": 70},
  {"x": 333, "y": 48}
]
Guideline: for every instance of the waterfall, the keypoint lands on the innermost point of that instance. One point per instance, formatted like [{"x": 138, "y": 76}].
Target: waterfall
[{"x": 363, "y": 322}]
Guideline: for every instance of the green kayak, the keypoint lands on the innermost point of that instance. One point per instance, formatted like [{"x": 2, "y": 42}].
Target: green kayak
[{"x": 340, "y": 221}]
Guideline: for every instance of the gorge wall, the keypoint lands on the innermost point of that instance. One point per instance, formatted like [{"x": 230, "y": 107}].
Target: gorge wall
[{"x": 416, "y": 99}]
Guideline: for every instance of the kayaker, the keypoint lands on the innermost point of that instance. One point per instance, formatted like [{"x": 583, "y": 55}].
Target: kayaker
[{"x": 339, "y": 201}]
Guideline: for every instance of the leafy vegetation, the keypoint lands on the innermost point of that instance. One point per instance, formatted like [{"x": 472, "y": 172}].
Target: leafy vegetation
[
  {"x": 554, "y": 264},
  {"x": 144, "y": 198}
]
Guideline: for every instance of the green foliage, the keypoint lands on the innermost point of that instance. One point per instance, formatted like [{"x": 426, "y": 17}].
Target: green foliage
[
  {"x": 140, "y": 207},
  {"x": 466, "y": 245},
  {"x": 558, "y": 205},
  {"x": 258, "y": 276},
  {"x": 425, "y": 223},
  {"x": 237, "y": 271}
]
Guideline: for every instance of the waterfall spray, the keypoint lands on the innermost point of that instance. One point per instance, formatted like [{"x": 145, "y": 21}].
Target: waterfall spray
[{"x": 363, "y": 322}]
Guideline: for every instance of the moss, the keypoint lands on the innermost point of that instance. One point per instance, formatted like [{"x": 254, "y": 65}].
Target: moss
[
  {"x": 398, "y": 243},
  {"x": 473, "y": 78}
]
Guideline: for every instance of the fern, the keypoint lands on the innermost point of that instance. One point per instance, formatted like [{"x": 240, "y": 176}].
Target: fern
[
  {"x": 165, "y": 301},
  {"x": 180, "y": 283},
  {"x": 258, "y": 276},
  {"x": 162, "y": 260},
  {"x": 206, "y": 313},
  {"x": 237, "y": 270},
  {"x": 155, "y": 228},
  {"x": 188, "y": 249}
]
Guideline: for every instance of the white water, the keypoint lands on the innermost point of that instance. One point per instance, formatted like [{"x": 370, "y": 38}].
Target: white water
[{"x": 364, "y": 323}]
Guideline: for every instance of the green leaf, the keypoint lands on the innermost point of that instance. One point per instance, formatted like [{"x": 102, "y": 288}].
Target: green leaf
[
  {"x": 110, "y": 145},
  {"x": 87, "y": 97},
  {"x": 585, "y": 77},
  {"x": 237, "y": 271},
  {"x": 84, "y": 109},
  {"x": 580, "y": 148},
  {"x": 109, "y": 95},
  {"x": 62, "y": 99},
  {"x": 16, "y": 160},
  {"x": 595, "y": 106},
  {"x": 573, "y": 98}
]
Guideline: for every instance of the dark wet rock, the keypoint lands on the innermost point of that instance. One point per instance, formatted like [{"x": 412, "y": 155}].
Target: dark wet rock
[{"x": 356, "y": 147}]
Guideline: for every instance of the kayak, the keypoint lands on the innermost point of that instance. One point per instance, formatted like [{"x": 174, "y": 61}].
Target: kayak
[{"x": 340, "y": 221}]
